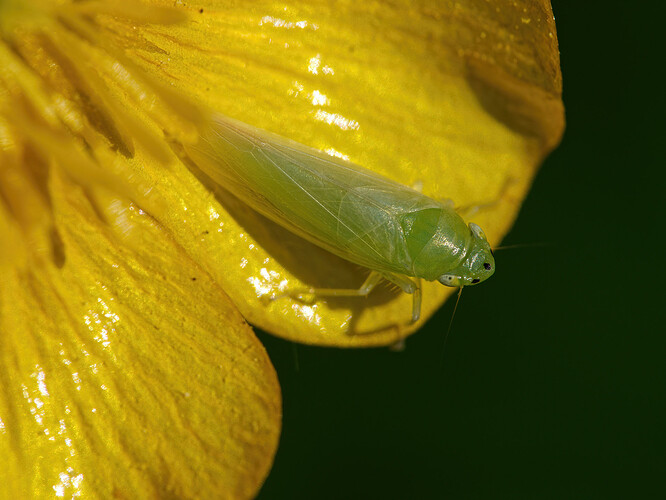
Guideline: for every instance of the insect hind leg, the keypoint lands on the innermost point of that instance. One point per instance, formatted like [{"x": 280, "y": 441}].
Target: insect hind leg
[
  {"x": 368, "y": 285},
  {"x": 406, "y": 284}
]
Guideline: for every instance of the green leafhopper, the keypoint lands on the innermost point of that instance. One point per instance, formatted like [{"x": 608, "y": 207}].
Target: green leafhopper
[{"x": 398, "y": 233}]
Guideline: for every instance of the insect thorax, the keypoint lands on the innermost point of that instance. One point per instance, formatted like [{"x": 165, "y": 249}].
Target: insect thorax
[{"x": 436, "y": 240}]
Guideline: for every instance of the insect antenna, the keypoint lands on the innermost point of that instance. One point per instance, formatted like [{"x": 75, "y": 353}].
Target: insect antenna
[
  {"x": 521, "y": 245},
  {"x": 453, "y": 315}
]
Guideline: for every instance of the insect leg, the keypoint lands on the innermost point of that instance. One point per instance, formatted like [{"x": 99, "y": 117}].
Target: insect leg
[
  {"x": 368, "y": 285},
  {"x": 408, "y": 285}
]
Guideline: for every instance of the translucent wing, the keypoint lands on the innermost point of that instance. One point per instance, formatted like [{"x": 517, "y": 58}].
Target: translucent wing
[{"x": 339, "y": 206}]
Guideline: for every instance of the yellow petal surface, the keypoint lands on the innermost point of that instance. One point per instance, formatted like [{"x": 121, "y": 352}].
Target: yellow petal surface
[
  {"x": 126, "y": 372},
  {"x": 461, "y": 97}
]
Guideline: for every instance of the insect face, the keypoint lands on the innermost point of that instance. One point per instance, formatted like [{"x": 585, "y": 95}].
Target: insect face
[{"x": 478, "y": 264}]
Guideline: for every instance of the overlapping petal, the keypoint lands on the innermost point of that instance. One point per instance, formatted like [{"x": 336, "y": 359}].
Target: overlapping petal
[{"x": 125, "y": 370}]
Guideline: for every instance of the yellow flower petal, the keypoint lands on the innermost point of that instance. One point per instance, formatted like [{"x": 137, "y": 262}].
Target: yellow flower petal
[
  {"x": 127, "y": 372},
  {"x": 464, "y": 98}
]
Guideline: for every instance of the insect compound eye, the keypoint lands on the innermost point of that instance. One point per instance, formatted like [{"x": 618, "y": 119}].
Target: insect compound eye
[
  {"x": 475, "y": 281},
  {"x": 487, "y": 266}
]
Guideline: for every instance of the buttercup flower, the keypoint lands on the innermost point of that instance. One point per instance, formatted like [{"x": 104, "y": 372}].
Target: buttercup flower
[{"x": 126, "y": 367}]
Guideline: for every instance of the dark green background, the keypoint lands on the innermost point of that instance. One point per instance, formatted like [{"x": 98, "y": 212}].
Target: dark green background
[{"x": 553, "y": 380}]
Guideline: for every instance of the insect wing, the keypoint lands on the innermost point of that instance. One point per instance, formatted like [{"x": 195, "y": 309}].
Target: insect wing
[{"x": 337, "y": 205}]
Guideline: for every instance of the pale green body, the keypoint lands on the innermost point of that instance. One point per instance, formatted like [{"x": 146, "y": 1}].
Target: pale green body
[{"x": 343, "y": 208}]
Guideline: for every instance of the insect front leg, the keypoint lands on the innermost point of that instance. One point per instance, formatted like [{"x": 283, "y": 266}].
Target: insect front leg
[{"x": 408, "y": 285}]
